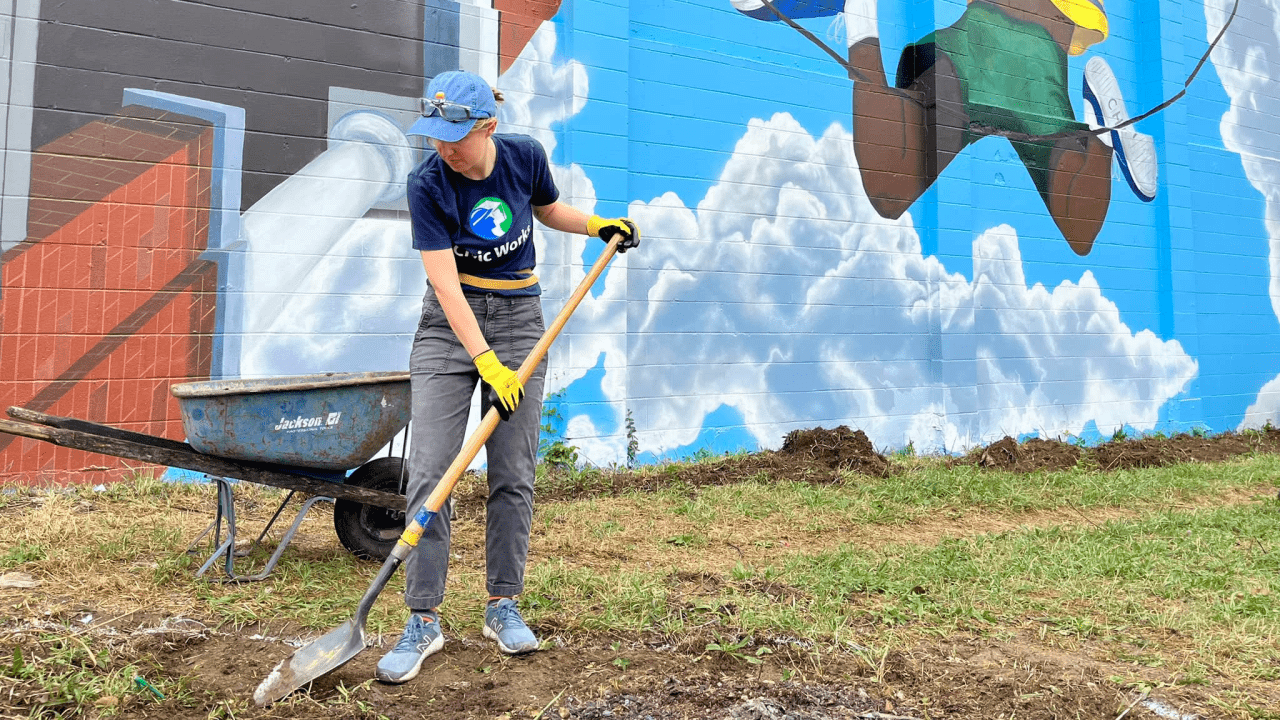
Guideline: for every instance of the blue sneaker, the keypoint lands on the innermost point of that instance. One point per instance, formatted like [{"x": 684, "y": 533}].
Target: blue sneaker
[
  {"x": 422, "y": 637},
  {"x": 502, "y": 622},
  {"x": 794, "y": 9}
]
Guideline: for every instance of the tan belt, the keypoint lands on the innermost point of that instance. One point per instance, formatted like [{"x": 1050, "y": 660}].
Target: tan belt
[{"x": 492, "y": 284}]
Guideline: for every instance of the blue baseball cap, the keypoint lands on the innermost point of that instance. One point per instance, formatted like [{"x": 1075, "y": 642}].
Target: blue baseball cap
[{"x": 461, "y": 90}]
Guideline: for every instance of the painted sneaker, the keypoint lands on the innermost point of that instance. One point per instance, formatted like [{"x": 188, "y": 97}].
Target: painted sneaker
[
  {"x": 422, "y": 637},
  {"x": 502, "y": 622},
  {"x": 794, "y": 9},
  {"x": 1135, "y": 152}
]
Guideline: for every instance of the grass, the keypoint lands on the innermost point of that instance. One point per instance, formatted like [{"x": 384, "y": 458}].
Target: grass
[
  {"x": 65, "y": 674},
  {"x": 1174, "y": 569}
]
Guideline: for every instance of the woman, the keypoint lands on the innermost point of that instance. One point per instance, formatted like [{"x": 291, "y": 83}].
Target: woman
[{"x": 472, "y": 206}]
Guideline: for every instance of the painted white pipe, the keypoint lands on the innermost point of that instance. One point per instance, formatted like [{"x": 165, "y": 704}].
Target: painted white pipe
[{"x": 294, "y": 226}]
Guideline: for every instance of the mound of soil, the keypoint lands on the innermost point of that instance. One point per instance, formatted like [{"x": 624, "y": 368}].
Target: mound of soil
[
  {"x": 1037, "y": 455},
  {"x": 839, "y": 449},
  {"x": 1159, "y": 452},
  {"x": 817, "y": 455}
]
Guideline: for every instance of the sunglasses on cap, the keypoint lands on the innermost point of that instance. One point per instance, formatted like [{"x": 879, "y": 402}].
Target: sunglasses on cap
[{"x": 450, "y": 111}]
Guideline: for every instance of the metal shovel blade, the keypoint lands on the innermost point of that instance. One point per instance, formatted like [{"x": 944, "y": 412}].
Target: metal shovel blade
[{"x": 310, "y": 662}]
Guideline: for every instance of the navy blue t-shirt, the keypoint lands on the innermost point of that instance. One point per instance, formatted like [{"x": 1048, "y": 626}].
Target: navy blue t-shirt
[{"x": 487, "y": 223}]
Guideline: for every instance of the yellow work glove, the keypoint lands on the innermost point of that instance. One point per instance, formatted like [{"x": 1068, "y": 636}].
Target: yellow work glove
[
  {"x": 502, "y": 379},
  {"x": 604, "y": 228}
]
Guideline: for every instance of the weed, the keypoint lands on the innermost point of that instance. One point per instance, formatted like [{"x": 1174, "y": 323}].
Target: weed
[
  {"x": 620, "y": 662},
  {"x": 64, "y": 674},
  {"x": 607, "y": 528},
  {"x": 21, "y": 554},
  {"x": 1119, "y": 435},
  {"x": 872, "y": 658},
  {"x": 700, "y": 455},
  {"x": 736, "y": 649},
  {"x": 560, "y": 454},
  {"x": 168, "y": 568},
  {"x": 553, "y": 448},
  {"x": 687, "y": 540},
  {"x": 633, "y": 444}
]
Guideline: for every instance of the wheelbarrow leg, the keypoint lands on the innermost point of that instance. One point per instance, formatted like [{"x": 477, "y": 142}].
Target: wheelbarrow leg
[
  {"x": 284, "y": 542},
  {"x": 227, "y": 511}
]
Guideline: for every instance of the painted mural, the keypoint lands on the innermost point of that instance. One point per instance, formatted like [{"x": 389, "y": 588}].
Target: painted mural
[
  {"x": 1051, "y": 218},
  {"x": 1000, "y": 69}
]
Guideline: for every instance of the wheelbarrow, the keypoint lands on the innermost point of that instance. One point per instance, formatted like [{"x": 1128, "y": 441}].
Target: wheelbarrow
[{"x": 314, "y": 434}]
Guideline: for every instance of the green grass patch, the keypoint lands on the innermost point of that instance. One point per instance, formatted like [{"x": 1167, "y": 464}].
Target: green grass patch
[
  {"x": 21, "y": 554},
  {"x": 938, "y": 492},
  {"x": 1212, "y": 575},
  {"x": 63, "y": 675}
]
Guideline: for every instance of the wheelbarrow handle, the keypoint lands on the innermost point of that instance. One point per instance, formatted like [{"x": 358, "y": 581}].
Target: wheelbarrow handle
[{"x": 413, "y": 532}]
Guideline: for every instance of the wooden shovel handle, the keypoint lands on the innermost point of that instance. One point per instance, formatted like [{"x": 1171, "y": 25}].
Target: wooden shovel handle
[{"x": 491, "y": 419}]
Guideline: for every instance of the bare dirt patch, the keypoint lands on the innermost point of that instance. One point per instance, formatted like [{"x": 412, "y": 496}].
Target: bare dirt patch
[{"x": 588, "y": 677}]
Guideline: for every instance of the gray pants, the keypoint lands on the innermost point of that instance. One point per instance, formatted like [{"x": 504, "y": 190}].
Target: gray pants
[{"x": 443, "y": 380}]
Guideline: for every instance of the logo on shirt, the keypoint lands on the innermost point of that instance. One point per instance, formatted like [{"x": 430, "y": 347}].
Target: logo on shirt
[{"x": 490, "y": 218}]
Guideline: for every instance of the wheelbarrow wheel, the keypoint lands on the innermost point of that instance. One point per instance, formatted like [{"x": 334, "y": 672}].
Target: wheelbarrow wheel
[{"x": 370, "y": 532}]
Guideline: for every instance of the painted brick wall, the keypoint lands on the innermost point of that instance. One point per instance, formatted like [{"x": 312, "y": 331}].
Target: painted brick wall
[{"x": 108, "y": 302}]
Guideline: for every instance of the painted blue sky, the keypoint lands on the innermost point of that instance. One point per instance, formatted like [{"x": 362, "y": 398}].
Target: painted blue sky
[{"x": 682, "y": 137}]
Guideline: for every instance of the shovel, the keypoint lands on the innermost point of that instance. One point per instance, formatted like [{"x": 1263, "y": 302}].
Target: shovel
[{"x": 343, "y": 643}]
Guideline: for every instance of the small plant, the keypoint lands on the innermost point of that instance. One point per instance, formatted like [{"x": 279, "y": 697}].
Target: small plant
[
  {"x": 701, "y": 455},
  {"x": 18, "y": 668},
  {"x": 633, "y": 445},
  {"x": 562, "y": 455},
  {"x": 735, "y": 650},
  {"x": 552, "y": 447},
  {"x": 620, "y": 662},
  {"x": 1119, "y": 435},
  {"x": 1199, "y": 432},
  {"x": 686, "y": 540},
  {"x": 20, "y": 554}
]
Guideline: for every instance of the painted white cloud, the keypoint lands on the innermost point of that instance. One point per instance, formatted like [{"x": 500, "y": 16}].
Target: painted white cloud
[
  {"x": 1248, "y": 61},
  {"x": 786, "y": 297}
]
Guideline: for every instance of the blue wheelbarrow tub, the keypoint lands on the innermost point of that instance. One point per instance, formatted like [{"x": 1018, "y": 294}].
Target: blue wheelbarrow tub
[{"x": 332, "y": 422}]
